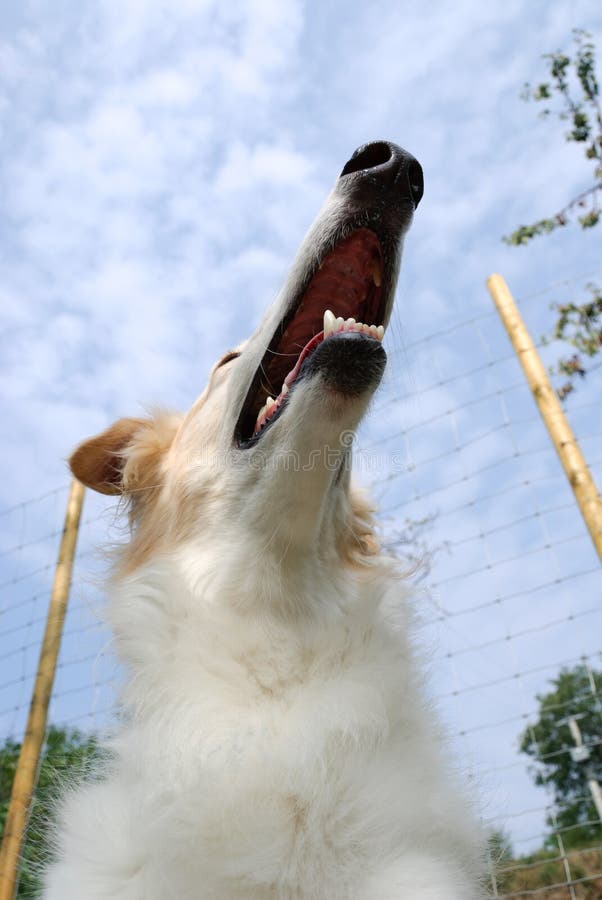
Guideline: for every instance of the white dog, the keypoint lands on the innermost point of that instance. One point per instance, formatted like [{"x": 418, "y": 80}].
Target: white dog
[{"x": 275, "y": 742}]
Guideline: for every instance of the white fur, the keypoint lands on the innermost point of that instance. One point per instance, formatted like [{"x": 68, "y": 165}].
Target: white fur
[
  {"x": 275, "y": 741},
  {"x": 267, "y": 758}
]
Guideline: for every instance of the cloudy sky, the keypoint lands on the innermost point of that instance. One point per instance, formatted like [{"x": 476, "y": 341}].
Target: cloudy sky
[{"x": 159, "y": 165}]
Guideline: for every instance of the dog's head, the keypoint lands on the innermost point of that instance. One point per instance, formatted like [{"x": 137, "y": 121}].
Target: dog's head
[{"x": 265, "y": 449}]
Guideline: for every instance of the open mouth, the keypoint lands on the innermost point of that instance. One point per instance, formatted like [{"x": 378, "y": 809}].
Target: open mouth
[{"x": 345, "y": 294}]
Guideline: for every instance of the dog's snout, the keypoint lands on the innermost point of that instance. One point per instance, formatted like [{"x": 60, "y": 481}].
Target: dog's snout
[{"x": 390, "y": 165}]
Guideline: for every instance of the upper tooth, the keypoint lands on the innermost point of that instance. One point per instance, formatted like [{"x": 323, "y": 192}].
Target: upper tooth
[
  {"x": 376, "y": 273},
  {"x": 329, "y": 322},
  {"x": 285, "y": 390},
  {"x": 269, "y": 402}
]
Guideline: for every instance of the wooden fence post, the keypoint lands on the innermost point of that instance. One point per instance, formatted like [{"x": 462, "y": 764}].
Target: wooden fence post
[
  {"x": 29, "y": 758},
  {"x": 551, "y": 410}
]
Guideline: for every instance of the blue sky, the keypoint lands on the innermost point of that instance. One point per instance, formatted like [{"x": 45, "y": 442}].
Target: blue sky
[{"x": 159, "y": 165}]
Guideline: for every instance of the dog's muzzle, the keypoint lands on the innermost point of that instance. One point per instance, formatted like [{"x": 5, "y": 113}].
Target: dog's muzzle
[
  {"x": 348, "y": 363},
  {"x": 333, "y": 311}
]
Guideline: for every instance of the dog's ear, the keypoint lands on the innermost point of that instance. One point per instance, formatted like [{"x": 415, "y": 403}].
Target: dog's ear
[{"x": 127, "y": 456}]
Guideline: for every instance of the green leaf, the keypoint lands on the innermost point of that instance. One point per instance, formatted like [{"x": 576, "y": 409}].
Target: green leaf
[
  {"x": 590, "y": 219},
  {"x": 542, "y": 92},
  {"x": 548, "y": 740},
  {"x": 67, "y": 756}
]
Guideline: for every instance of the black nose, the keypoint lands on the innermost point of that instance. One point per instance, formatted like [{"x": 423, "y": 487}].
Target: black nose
[{"x": 391, "y": 165}]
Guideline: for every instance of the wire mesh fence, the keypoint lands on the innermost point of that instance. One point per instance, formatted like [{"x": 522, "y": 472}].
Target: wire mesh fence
[{"x": 508, "y": 590}]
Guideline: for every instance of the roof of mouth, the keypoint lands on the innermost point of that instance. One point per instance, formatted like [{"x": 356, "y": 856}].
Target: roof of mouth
[{"x": 349, "y": 282}]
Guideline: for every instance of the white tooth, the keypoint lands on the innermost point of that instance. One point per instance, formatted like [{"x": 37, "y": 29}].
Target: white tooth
[
  {"x": 381, "y": 331},
  {"x": 329, "y": 322},
  {"x": 340, "y": 323},
  {"x": 269, "y": 402},
  {"x": 285, "y": 390},
  {"x": 376, "y": 273},
  {"x": 350, "y": 322},
  {"x": 373, "y": 331},
  {"x": 365, "y": 329},
  {"x": 261, "y": 412}
]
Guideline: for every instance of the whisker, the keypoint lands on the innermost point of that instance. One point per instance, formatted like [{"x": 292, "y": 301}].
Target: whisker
[{"x": 276, "y": 353}]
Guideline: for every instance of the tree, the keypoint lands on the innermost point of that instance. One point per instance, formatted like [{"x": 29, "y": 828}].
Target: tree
[
  {"x": 548, "y": 742},
  {"x": 573, "y": 84},
  {"x": 67, "y": 753}
]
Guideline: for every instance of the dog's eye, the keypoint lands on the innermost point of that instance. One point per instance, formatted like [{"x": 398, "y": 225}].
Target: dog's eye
[{"x": 228, "y": 358}]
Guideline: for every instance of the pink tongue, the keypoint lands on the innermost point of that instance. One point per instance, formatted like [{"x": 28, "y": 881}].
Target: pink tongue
[
  {"x": 317, "y": 339},
  {"x": 311, "y": 345}
]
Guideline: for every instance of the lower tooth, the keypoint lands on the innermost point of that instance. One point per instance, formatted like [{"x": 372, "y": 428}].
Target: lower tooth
[{"x": 329, "y": 322}]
